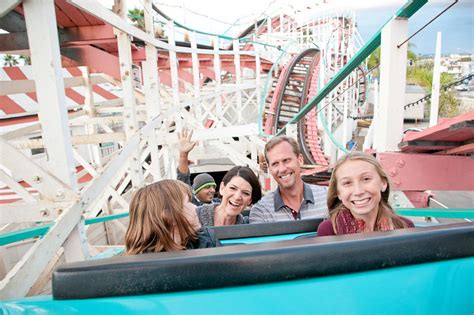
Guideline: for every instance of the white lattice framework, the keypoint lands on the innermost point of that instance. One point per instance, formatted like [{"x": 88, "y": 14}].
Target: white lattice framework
[{"x": 142, "y": 124}]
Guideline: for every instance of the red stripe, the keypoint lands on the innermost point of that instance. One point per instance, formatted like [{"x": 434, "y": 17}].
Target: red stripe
[
  {"x": 13, "y": 193},
  {"x": 76, "y": 97},
  {"x": 9, "y": 200},
  {"x": 97, "y": 89},
  {"x": 9, "y": 106},
  {"x": 16, "y": 121},
  {"x": 16, "y": 74}
]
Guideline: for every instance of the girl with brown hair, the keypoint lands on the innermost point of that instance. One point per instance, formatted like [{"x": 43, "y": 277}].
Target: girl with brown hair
[
  {"x": 162, "y": 218},
  {"x": 358, "y": 198}
]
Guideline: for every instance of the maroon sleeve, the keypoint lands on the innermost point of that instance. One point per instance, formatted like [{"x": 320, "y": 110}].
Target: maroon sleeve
[{"x": 325, "y": 228}]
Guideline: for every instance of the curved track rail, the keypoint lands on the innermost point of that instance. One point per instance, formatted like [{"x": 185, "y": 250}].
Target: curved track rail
[{"x": 298, "y": 82}]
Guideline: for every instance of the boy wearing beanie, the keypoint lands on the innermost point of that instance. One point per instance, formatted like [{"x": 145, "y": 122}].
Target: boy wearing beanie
[{"x": 204, "y": 185}]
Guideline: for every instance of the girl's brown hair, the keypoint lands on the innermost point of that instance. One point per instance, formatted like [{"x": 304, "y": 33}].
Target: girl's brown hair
[
  {"x": 335, "y": 205},
  {"x": 157, "y": 219}
]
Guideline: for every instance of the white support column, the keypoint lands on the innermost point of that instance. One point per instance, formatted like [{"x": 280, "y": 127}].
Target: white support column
[
  {"x": 281, "y": 23},
  {"x": 258, "y": 79},
  {"x": 8, "y": 5},
  {"x": 345, "y": 125},
  {"x": 238, "y": 80},
  {"x": 42, "y": 32},
  {"x": 196, "y": 79},
  {"x": 369, "y": 141},
  {"x": 218, "y": 88},
  {"x": 436, "y": 83},
  {"x": 129, "y": 102},
  {"x": 94, "y": 150},
  {"x": 392, "y": 85},
  {"x": 174, "y": 70},
  {"x": 376, "y": 119},
  {"x": 329, "y": 148},
  {"x": 152, "y": 88}
]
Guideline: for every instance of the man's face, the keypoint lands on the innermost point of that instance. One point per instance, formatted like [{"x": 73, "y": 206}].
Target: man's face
[
  {"x": 284, "y": 165},
  {"x": 206, "y": 194}
]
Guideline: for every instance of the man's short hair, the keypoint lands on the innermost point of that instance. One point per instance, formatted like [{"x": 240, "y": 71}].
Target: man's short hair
[{"x": 279, "y": 139}]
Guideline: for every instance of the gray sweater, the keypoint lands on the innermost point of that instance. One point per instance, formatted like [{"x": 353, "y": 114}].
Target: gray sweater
[{"x": 206, "y": 215}]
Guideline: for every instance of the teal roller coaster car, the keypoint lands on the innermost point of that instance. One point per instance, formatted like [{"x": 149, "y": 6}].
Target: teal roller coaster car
[{"x": 425, "y": 270}]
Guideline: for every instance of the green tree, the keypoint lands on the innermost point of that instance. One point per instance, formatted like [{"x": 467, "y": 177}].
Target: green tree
[
  {"x": 448, "y": 104},
  {"x": 10, "y": 60},
  {"x": 422, "y": 75},
  {"x": 138, "y": 18},
  {"x": 26, "y": 59},
  {"x": 374, "y": 59}
]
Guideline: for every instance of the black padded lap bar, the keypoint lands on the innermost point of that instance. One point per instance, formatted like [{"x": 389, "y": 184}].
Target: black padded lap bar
[
  {"x": 261, "y": 263},
  {"x": 266, "y": 229}
]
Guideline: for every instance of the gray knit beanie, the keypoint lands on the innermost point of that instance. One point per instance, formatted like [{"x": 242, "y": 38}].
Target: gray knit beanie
[{"x": 202, "y": 181}]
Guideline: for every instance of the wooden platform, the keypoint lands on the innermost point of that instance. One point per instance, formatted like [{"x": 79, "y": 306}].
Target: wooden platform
[{"x": 450, "y": 136}]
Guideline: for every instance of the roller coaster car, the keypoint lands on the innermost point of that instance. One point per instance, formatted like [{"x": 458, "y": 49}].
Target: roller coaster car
[{"x": 423, "y": 270}]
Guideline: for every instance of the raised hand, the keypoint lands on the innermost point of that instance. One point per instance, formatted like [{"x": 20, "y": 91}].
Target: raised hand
[{"x": 185, "y": 145}]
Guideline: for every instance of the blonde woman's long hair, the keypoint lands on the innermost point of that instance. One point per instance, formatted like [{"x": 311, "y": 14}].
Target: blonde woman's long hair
[
  {"x": 335, "y": 205},
  {"x": 156, "y": 216}
]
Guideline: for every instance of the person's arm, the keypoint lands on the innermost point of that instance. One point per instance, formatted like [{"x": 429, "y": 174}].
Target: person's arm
[{"x": 185, "y": 145}]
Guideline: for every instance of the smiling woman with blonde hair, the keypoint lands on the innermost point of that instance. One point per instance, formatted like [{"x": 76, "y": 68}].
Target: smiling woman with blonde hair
[
  {"x": 162, "y": 218},
  {"x": 358, "y": 198}
]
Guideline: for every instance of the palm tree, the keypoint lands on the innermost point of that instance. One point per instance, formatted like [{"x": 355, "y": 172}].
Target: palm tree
[
  {"x": 10, "y": 60},
  {"x": 26, "y": 59},
  {"x": 422, "y": 75},
  {"x": 374, "y": 59},
  {"x": 138, "y": 18}
]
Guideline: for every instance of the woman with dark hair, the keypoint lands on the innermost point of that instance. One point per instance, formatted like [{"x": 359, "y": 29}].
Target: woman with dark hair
[
  {"x": 358, "y": 198},
  {"x": 162, "y": 218},
  {"x": 239, "y": 189}
]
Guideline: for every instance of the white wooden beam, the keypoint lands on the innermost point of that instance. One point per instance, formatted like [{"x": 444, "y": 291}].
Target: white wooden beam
[
  {"x": 196, "y": 106},
  {"x": 434, "y": 108},
  {"x": 42, "y": 32},
  {"x": 173, "y": 69},
  {"x": 392, "y": 85},
  {"x": 152, "y": 87},
  {"x": 7, "y": 5},
  {"x": 27, "y": 86},
  {"x": 41, "y": 211},
  {"x": 103, "y": 14},
  {"x": 130, "y": 114},
  {"x": 22, "y": 167},
  {"x": 20, "y": 278},
  {"x": 209, "y": 134},
  {"x": 16, "y": 187},
  {"x": 89, "y": 108},
  {"x": 45, "y": 277},
  {"x": 238, "y": 80},
  {"x": 76, "y": 140},
  {"x": 218, "y": 82}
]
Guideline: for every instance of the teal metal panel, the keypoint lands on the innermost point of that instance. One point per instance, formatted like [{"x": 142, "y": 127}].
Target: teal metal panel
[
  {"x": 264, "y": 239},
  {"x": 452, "y": 213},
  {"x": 433, "y": 288}
]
